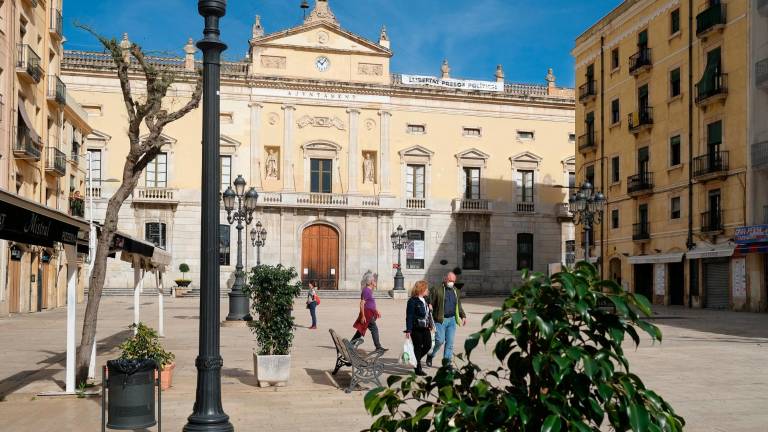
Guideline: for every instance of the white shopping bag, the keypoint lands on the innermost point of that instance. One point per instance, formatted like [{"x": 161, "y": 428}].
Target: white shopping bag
[{"x": 408, "y": 357}]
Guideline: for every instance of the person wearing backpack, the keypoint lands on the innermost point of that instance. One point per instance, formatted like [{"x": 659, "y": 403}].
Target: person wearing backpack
[{"x": 313, "y": 300}]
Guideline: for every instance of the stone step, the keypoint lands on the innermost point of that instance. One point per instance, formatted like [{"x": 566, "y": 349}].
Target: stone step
[{"x": 347, "y": 294}]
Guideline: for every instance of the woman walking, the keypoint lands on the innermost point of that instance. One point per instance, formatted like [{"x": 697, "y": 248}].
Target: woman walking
[
  {"x": 366, "y": 319},
  {"x": 417, "y": 323},
  {"x": 312, "y": 303}
]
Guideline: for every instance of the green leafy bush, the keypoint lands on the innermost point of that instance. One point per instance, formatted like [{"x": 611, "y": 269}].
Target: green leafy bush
[
  {"x": 561, "y": 367},
  {"x": 145, "y": 344},
  {"x": 272, "y": 295}
]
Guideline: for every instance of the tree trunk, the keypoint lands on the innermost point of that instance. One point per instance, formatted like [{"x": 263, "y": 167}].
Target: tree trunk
[{"x": 98, "y": 276}]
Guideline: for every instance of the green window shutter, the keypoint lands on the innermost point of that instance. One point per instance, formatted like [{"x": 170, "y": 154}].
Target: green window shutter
[
  {"x": 675, "y": 75},
  {"x": 715, "y": 133},
  {"x": 642, "y": 38},
  {"x": 642, "y": 92}
]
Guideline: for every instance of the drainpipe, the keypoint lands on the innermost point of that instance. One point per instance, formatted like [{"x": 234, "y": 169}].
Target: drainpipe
[
  {"x": 602, "y": 153},
  {"x": 689, "y": 242}
]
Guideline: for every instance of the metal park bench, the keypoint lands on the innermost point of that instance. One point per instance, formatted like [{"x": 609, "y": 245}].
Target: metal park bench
[{"x": 365, "y": 368}]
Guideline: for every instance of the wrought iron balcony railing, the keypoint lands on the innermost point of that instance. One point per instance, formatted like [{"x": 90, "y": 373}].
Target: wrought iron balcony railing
[
  {"x": 588, "y": 91},
  {"x": 640, "y": 183},
  {"x": 712, "y": 88},
  {"x": 28, "y": 63},
  {"x": 712, "y": 18},
  {"x": 710, "y": 164},
  {"x": 587, "y": 142},
  {"x": 24, "y": 146},
  {"x": 640, "y": 119},
  {"x": 712, "y": 221},
  {"x": 56, "y": 162},
  {"x": 57, "y": 23},
  {"x": 640, "y": 61},
  {"x": 57, "y": 90},
  {"x": 641, "y": 231}
]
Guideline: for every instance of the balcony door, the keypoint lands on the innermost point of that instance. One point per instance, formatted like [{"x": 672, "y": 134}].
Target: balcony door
[
  {"x": 471, "y": 183},
  {"x": 642, "y": 100},
  {"x": 320, "y": 256},
  {"x": 714, "y": 208},
  {"x": 643, "y": 162},
  {"x": 714, "y": 140},
  {"x": 642, "y": 40},
  {"x": 321, "y": 175},
  {"x": 642, "y": 216},
  {"x": 157, "y": 172}
]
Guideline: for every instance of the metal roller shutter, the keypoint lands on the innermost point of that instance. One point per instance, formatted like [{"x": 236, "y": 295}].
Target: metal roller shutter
[{"x": 716, "y": 283}]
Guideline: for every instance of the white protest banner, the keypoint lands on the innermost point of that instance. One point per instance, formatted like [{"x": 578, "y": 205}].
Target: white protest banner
[{"x": 467, "y": 85}]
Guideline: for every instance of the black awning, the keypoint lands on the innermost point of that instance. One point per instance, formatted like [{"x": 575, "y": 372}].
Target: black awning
[
  {"x": 130, "y": 245},
  {"x": 23, "y": 225}
]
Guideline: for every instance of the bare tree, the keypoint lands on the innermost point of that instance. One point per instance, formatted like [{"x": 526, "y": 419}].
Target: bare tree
[{"x": 148, "y": 110}]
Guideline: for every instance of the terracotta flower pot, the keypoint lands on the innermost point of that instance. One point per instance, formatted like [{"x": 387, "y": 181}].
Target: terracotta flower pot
[{"x": 166, "y": 376}]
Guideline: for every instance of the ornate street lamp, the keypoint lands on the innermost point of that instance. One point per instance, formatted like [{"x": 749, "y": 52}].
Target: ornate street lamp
[
  {"x": 208, "y": 413},
  {"x": 258, "y": 239},
  {"x": 399, "y": 238},
  {"x": 587, "y": 208},
  {"x": 240, "y": 206}
]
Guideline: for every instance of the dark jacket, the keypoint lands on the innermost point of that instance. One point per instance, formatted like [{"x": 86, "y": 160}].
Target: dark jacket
[
  {"x": 437, "y": 300},
  {"x": 413, "y": 311}
]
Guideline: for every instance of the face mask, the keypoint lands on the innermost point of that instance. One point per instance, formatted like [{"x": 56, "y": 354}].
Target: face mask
[{"x": 450, "y": 284}]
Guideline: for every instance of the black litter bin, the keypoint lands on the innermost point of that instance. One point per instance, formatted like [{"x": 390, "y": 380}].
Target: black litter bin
[{"x": 130, "y": 394}]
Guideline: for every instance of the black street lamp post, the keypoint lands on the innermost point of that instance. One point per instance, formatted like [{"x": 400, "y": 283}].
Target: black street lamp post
[
  {"x": 208, "y": 412},
  {"x": 240, "y": 206},
  {"x": 258, "y": 239},
  {"x": 587, "y": 208},
  {"x": 399, "y": 238}
]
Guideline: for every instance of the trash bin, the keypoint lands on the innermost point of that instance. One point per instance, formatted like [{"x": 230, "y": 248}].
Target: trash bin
[{"x": 130, "y": 395}]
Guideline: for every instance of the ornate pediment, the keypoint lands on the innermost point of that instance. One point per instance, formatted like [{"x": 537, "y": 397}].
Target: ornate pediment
[
  {"x": 98, "y": 136},
  {"x": 526, "y": 159},
  {"x": 416, "y": 154},
  {"x": 321, "y": 149},
  {"x": 321, "y": 36},
  {"x": 569, "y": 162},
  {"x": 228, "y": 144},
  {"x": 326, "y": 122}
]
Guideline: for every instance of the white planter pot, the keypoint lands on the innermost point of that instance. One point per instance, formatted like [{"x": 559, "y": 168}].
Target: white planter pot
[{"x": 272, "y": 369}]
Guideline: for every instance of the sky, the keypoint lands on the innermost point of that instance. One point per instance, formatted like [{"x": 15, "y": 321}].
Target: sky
[{"x": 525, "y": 36}]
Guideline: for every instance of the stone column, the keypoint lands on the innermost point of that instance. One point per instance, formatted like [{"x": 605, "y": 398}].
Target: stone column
[
  {"x": 384, "y": 152},
  {"x": 354, "y": 162},
  {"x": 257, "y": 150},
  {"x": 287, "y": 150}
]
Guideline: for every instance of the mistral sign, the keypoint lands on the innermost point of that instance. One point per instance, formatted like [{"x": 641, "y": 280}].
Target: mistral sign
[{"x": 466, "y": 85}]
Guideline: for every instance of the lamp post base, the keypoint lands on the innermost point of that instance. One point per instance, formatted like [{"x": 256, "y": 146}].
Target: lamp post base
[
  {"x": 399, "y": 281},
  {"x": 238, "y": 307}
]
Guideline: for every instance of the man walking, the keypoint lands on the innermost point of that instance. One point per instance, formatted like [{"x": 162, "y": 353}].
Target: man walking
[{"x": 447, "y": 312}]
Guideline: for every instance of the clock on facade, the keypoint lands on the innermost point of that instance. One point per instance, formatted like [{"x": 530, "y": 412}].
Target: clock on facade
[{"x": 322, "y": 63}]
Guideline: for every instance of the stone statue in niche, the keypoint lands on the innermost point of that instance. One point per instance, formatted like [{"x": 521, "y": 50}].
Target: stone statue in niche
[
  {"x": 272, "y": 172},
  {"x": 368, "y": 175}
]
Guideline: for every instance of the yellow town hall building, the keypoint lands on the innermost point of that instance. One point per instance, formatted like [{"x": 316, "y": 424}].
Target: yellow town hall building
[{"x": 342, "y": 152}]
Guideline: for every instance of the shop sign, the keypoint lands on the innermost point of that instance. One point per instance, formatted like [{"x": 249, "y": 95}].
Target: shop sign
[
  {"x": 16, "y": 253},
  {"x": 752, "y": 234},
  {"x": 25, "y": 226}
]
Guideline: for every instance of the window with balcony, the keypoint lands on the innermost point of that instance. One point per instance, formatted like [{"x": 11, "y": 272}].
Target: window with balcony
[
  {"x": 224, "y": 237},
  {"x": 471, "y": 183},
  {"x": 615, "y": 169},
  {"x": 641, "y": 60},
  {"x": 674, "y": 151},
  {"x": 641, "y": 230},
  {"x": 321, "y": 175},
  {"x": 711, "y": 18},
  {"x": 414, "y": 186},
  {"x": 615, "y": 59},
  {"x": 615, "y": 218},
  {"x": 471, "y": 250},
  {"x": 590, "y": 174},
  {"x": 525, "y": 251},
  {"x": 714, "y": 83},
  {"x": 157, "y": 172},
  {"x": 154, "y": 232},
  {"x": 226, "y": 172},
  {"x": 414, "y": 251},
  {"x": 674, "y": 206},
  {"x": 525, "y": 186},
  {"x": 94, "y": 166},
  {"x": 674, "y": 21},
  {"x": 615, "y": 112},
  {"x": 674, "y": 83},
  {"x": 712, "y": 219},
  {"x": 587, "y": 141}
]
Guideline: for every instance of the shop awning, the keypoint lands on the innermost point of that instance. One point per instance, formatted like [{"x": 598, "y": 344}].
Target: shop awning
[
  {"x": 30, "y": 126},
  {"x": 673, "y": 257},
  {"x": 25, "y": 221},
  {"x": 720, "y": 250}
]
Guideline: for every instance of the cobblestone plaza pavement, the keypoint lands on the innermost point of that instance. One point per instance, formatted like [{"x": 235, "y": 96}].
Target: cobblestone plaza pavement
[{"x": 712, "y": 367}]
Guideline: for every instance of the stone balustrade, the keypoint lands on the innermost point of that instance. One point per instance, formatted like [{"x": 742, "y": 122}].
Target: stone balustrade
[
  {"x": 155, "y": 195},
  {"x": 461, "y": 205}
]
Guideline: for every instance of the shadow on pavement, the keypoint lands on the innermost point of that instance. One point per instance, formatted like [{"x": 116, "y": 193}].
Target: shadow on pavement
[{"x": 735, "y": 324}]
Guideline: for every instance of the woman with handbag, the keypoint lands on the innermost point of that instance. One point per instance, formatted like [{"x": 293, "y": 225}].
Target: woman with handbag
[
  {"x": 312, "y": 302},
  {"x": 418, "y": 323}
]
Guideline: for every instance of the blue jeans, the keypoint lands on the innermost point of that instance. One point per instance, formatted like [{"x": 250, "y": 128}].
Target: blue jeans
[
  {"x": 312, "y": 307},
  {"x": 444, "y": 334}
]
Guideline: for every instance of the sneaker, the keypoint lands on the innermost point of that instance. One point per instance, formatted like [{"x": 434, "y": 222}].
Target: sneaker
[
  {"x": 382, "y": 349},
  {"x": 429, "y": 360}
]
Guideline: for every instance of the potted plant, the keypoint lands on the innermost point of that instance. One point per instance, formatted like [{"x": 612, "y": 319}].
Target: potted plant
[
  {"x": 183, "y": 282},
  {"x": 272, "y": 294},
  {"x": 145, "y": 344}
]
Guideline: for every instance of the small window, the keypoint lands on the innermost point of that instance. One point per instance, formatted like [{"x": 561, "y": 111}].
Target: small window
[
  {"x": 674, "y": 21},
  {"x": 416, "y": 129},
  {"x": 572, "y": 137},
  {"x": 675, "y": 208},
  {"x": 674, "y": 151},
  {"x": 471, "y": 250},
  {"x": 155, "y": 234},
  {"x": 525, "y": 251},
  {"x": 224, "y": 245},
  {"x": 674, "y": 83},
  {"x": 414, "y": 251},
  {"x": 615, "y": 218},
  {"x": 472, "y": 132},
  {"x": 590, "y": 176},
  {"x": 615, "y": 59},
  {"x": 525, "y": 135},
  {"x": 226, "y": 172},
  {"x": 615, "y": 111},
  {"x": 615, "y": 169}
]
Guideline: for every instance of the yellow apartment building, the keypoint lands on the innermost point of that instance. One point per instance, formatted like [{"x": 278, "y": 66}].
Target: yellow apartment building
[
  {"x": 668, "y": 128},
  {"x": 342, "y": 152},
  {"x": 42, "y": 177}
]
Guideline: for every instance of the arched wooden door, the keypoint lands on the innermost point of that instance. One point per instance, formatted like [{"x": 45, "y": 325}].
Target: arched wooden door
[{"x": 320, "y": 256}]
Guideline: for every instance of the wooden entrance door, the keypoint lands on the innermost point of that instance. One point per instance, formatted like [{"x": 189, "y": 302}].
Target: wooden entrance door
[
  {"x": 14, "y": 279},
  {"x": 320, "y": 256},
  {"x": 46, "y": 282}
]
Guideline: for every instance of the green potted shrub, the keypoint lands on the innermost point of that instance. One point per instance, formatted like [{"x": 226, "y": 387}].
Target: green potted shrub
[
  {"x": 561, "y": 367},
  {"x": 183, "y": 282},
  {"x": 272, "y": 293},
  {"x": 145, "y": 344}
]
